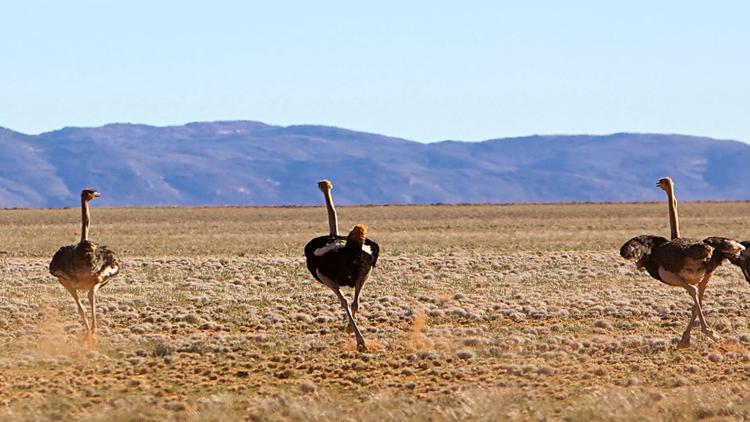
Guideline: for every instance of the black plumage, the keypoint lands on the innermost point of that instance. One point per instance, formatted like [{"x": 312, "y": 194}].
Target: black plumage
[{"x": 346, "y": 265}]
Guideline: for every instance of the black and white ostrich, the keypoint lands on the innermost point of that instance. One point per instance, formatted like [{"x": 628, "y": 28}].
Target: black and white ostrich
[
  {"x": 683, "y": 262},
  {"x": 85, "y": 266},
  {"x": 339, "y": 261}
]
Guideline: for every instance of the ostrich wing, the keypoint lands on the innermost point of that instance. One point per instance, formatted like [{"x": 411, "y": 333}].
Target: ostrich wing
[
  {"x": 312, "y": 258},
  {"x": 640, "y": 246},
  {"x": 683, "y": 254},
  {"x": 61, "y": 263},
  {"x": 375, "y": 249},
  {"x": 106, "y": 265},
  {"x": 85, "y": 258},
  {"x": 742, "y": 259},
  {"x": 727, "y": 248},
  {"x": 641, "y": 249}
]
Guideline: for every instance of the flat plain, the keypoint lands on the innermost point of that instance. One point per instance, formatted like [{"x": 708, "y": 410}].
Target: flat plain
[{"x": 475, "y": 312}]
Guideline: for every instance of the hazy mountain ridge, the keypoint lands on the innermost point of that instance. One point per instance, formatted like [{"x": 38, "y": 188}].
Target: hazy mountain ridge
[{"x": 252, "y": 163}]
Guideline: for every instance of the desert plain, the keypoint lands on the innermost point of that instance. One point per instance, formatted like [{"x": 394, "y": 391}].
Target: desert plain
[{"x": 474, "y": 312}]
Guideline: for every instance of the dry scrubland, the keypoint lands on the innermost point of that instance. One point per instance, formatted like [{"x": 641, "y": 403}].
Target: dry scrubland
[{"x": 475, "y": 312}]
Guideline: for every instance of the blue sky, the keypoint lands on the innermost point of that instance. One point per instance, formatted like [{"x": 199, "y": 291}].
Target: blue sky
[{"x": 423, "y": 70}]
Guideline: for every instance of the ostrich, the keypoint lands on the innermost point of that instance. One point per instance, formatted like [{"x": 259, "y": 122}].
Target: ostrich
[
  {"x": 742, "y": 260},
  {"x": 683, "y": 262},
  {"x": 85, "y": 266},
  {"x": 337, "y": 261}
]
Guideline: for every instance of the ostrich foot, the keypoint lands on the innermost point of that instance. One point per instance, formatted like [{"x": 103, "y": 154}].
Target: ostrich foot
[
  {"x": 361, "y": 347},
  {"x": 684, "y": 343},
  {"x": 89, "y": 340}
]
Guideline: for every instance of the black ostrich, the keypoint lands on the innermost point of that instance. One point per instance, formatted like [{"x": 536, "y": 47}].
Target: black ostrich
[
  {"x": 339, "y": 261},
  {"x": 683, "y": 262},
  {"x": 85, "y": 266}
]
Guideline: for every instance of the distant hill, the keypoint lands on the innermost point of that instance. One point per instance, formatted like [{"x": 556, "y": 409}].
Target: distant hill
[{"x": 251, "y": 163}]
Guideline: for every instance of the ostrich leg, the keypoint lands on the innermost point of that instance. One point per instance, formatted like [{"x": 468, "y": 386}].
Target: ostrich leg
[
  {"x": 685, "y": 341},
  {"x": 74, "y": 293},
  {"x": 355, "y": 302},
  {"x": 91, "y": 337},
  {"x": 344, "y": 304}
]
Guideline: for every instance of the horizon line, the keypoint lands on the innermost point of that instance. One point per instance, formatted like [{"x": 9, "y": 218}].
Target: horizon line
[
  {"x": 531, "y": 135},
  {"x": 399, "y": 204}
]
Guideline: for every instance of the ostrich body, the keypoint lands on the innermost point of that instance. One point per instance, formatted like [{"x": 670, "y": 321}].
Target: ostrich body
[
  {"x": 683, "y": 262},
  {"x": 337, "y": 261},
  {"x": 85, "y": 266}
]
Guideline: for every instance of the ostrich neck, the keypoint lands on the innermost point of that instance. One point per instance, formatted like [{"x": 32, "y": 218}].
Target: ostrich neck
[
  {"x": 674, "y": 222},
  {"x": 333, "y": 223},
  {"x": 84, "y": 220}
]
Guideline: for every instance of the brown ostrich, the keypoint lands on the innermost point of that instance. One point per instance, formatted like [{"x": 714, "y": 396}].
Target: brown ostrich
[
  {"x": 683, "y": 262},
  {"x": 337, "y": 261},
  {"x": 85, "y": 266}
]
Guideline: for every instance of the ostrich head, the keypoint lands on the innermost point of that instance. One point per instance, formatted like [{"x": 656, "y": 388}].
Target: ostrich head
[
  {"x": 325, "y": 185},
  {"x": 89, "y": 194},
  {"x": 665, "y": 184},
  {"x": 358, "y": 234}
]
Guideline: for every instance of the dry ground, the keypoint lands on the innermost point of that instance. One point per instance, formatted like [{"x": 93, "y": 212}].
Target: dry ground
[{"x": 474, "y": 313}]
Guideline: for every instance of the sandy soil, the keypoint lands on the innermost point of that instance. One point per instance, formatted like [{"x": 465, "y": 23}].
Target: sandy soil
[{"x": 474, "y": 313}]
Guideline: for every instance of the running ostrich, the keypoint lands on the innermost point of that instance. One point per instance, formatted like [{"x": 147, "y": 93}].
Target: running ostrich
[
  {"x": 683, "y": 262},
  {"x": 742, "y": 260},
  {"x": 85, "y": 266},
  {"x": 337, "y": 261}
]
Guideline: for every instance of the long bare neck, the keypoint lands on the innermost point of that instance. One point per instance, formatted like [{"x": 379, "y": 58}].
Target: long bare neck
[
  {"x": 674, "y": 222},
  {"x": 333, "y": 222},
  {"x": 84, "y": 220}
]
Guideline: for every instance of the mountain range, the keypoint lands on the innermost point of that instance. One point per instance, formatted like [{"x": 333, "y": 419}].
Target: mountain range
[{"x": 252, "y": 163}]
